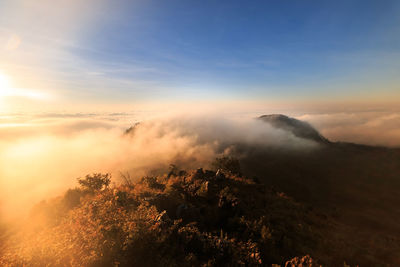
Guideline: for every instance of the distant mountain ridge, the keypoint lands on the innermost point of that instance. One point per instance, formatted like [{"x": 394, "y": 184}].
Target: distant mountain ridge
[{"x": 298, "y": 128}]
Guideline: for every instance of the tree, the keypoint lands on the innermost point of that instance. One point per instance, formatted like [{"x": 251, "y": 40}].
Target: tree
[{"x": 95, "y": 182}]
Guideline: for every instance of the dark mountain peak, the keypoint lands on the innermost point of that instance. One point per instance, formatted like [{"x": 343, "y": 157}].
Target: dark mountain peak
[
  {"x": 132, "y": 129},
  {"x": 297, "y": 127}
]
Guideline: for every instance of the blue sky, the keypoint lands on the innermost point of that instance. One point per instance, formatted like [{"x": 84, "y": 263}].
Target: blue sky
[{"x": 121, "y": 51}]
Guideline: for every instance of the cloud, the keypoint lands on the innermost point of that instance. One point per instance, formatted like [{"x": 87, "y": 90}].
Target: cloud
[
  {"x": 45, "y": 156},
  {"x": 42, "y": 155},
  {"x": 371, "y": 128}
]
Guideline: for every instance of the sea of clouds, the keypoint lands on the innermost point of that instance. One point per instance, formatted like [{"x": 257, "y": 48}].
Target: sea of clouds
[{"x": 41, "y": 155}]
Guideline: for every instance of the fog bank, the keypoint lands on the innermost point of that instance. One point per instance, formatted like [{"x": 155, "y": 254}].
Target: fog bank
[
  {"x": 370, "y": 128},
  {"x": 43, "y": 157}
]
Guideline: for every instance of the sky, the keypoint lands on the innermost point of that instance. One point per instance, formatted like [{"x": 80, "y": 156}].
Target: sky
[{"x": 122, "y": 55}]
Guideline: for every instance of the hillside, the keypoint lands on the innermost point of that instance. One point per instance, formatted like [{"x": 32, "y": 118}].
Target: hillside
[
  {"x": 200, "y": 218},
  {"x": 355, "y": 185}
]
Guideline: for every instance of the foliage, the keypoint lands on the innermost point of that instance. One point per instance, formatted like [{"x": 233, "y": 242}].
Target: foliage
[
  {"x": 192, "y": 220},
  {"x": 228, "y": 164},
  {"x": 95, "y": 182}
]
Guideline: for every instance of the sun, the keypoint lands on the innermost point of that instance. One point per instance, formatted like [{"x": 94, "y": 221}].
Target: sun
[
  {"x": 5, "y": 85},
  {"x": 7, "y": 89}
]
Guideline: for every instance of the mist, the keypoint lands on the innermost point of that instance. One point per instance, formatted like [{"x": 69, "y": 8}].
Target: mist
[
  {"x": 378, "y": 128},
  {"x": 43, "y": 157}
]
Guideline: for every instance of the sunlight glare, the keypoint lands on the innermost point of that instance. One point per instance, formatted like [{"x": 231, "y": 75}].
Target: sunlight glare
[{"x": 5, "y": 87}]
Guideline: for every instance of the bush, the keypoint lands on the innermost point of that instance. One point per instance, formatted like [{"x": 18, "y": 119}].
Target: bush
[
  {"x": 95, "y": 182},
  {"x": 228, "y": 164},
  {"x": 72, "y": 198}
]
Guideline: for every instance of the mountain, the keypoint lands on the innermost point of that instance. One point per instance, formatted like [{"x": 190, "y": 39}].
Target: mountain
[
  {"x": 258, "y": 206},
  {"x": 296, "y": 127},
  {"x": 355, "y": 186}
]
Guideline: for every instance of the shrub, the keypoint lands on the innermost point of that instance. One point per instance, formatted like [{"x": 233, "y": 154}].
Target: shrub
[
  {"x": 228, "y": 164},
  {"x": 95, "y": 182},
  {"x": 175, "y": 221}
]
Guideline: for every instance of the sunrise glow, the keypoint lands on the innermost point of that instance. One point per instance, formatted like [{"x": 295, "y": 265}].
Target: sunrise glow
[
  {"x": 199, "y": 133},
  {"x": 8, "y": 90},
  {"x": 5, "y": 86}
]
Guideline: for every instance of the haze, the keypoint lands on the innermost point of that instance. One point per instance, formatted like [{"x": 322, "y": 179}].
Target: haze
[{"x": 75, "y": 75}]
